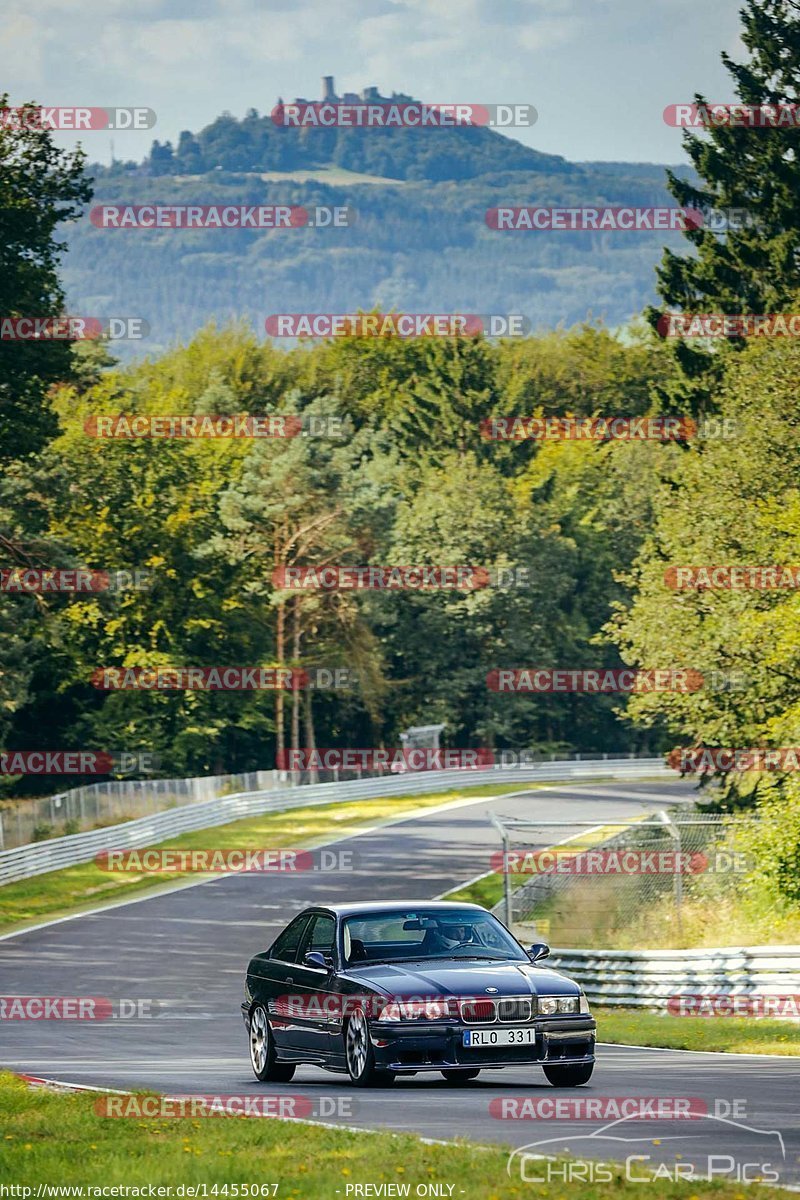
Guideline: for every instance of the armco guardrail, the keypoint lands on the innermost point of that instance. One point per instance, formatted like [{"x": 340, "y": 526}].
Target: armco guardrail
[
  {"x": 649, "y": 978},
  {"x": 39, "y": 857}
]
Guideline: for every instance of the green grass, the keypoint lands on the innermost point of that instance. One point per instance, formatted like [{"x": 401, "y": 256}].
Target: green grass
[
  {"x": 733, "y": 1034},
  {"x": 55, "y": 1138},
  {"x": 74, "y": 888}
]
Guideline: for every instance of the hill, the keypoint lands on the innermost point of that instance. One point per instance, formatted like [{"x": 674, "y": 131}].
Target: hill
[{"x": 420, "y": 241}]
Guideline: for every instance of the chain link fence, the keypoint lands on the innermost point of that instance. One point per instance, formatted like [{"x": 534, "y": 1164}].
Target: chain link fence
[
  {"x": 116, "y": 800},
  {"x": 620, "y": 884}
]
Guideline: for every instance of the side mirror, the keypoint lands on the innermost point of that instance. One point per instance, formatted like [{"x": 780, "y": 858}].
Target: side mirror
[
  {"x": 322, "y": 962},
  {"x": 539, "y": 950}
]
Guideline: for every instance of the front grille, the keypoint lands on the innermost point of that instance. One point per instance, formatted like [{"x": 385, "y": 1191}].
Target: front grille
[
  {"x": 477, "y": 1012},
  {"x": 507, "y": 1010},
  {"x": 518, "y": 1009}
]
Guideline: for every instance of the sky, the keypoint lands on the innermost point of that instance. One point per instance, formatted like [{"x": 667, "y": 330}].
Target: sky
[{"x": 599, "y": 72}]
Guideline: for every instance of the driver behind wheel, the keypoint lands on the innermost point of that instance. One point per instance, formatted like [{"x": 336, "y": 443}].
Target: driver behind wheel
[
  {"x": 460, "y": 935},
  {"x": 447, "y": 937}
]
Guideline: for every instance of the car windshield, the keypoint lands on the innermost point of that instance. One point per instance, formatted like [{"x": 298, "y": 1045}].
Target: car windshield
[{"x": 428, "y": 933}]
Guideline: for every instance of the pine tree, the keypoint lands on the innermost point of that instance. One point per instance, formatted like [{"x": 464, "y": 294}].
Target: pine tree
[{"x": 754, "y": 268}]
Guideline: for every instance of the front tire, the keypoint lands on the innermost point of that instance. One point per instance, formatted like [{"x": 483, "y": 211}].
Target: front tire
[
  {"x": 266, "y": 1067},
  {"x": 568, "y": 1074},
  {"x": 360, "y": 1056},
  {"x": 458, "y": 1077}
]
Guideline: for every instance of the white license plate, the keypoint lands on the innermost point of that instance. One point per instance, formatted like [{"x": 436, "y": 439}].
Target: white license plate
[{"x": 499, "y": 1037}]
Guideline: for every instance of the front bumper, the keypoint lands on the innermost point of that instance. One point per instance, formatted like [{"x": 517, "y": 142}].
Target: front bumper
[{"x": 416, "y": 1046}]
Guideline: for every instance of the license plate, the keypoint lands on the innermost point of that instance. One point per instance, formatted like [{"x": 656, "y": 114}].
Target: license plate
[{"x": 499, "y": 1037}]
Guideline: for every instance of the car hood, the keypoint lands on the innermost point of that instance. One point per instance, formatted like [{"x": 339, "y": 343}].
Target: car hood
[{"x": 457, "y": 977}]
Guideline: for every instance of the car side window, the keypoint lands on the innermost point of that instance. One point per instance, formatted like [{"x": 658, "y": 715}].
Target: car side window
[
  {"x": 288, "y": 943},
  {"x": 319, "y": 936}
]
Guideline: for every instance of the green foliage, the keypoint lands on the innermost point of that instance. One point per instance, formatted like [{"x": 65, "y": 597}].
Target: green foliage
[
  {"x": 754, "y": 268},
  {"x": 726, "y": 501},
  {"x": 409, "y": 481},
  {"x": 40, "y": 186}
]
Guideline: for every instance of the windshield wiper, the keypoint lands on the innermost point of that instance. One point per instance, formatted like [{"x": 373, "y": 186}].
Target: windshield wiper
[{"x": 486, "y": 957}]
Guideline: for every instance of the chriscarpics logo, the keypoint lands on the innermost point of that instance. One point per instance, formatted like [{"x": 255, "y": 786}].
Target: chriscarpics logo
[{"x": 654, "y": 1152}]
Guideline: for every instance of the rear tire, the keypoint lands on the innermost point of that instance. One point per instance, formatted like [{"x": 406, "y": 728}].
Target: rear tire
[
  {"x": 266, "y": 1067},
  {"x": 568, "y": 1074},
  {"x": 360, "y": 1056},
  {"x": 458, "y": 1077}
]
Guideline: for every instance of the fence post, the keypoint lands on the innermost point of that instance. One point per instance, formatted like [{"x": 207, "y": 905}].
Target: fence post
[
  {"x": 675, "y": 833},
  {"x": 506, "y": 873}
]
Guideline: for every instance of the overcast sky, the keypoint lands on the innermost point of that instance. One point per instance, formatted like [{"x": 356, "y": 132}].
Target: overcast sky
[{"x": 599, "y": 72}]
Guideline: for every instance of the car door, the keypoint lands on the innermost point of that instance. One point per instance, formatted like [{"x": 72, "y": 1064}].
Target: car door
[
  {"x": 317, "y": 986},
  {"x": 272, "y": 980}
]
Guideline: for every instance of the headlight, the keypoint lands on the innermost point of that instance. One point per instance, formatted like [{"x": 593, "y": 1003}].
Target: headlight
[
  {"x": 415, "y": 1010},
  {"x": 584, "y": 1008},
  {"x": 549, "y": 1006}
]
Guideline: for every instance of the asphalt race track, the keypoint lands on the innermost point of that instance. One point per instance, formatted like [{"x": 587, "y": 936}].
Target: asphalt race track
[{"x": 185, "y": 952}]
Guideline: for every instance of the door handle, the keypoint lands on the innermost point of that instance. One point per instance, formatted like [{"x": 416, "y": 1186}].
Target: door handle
[{"x": 289, "y": 979}]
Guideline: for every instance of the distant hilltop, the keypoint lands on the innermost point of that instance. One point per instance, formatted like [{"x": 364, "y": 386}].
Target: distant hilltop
[{"x": 369, "y": 95}]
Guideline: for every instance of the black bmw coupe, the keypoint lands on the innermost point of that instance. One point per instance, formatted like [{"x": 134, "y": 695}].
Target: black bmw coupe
[{"x": 385, "y": 989}]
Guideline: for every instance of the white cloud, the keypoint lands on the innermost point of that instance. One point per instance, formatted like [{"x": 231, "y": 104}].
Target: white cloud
[{"x": 190, "y": 59}]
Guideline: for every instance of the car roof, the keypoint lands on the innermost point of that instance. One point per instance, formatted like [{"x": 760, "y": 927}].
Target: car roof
[{"x": 399, "y": 906}]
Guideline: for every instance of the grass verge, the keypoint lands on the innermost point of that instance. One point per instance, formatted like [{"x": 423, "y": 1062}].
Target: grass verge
[
  {"x": 736, "y": 1035},
  {"x": 58, "y": 1139},
  {"x": 59, "y": 893}
]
